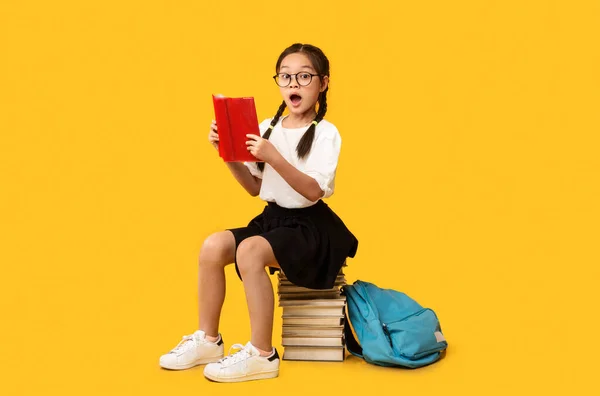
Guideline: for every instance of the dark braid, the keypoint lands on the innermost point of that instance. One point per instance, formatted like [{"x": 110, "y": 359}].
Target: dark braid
[
  {"x": 306, "y": 142},
  {"x": 261, "y": 165}
]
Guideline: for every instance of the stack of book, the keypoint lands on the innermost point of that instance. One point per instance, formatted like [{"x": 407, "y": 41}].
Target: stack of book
[{"x": 313, "y": 321}]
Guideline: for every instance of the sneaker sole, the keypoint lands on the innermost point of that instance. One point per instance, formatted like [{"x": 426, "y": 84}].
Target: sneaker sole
[
  {"x": 257, "y": 376},
  {"x": 194, "y": 364}
]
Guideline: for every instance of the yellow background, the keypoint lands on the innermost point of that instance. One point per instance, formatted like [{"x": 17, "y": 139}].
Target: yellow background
[{"x": 469, "y": 172}]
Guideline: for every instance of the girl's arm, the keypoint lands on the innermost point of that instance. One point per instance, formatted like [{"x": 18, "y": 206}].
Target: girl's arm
[
  {"x": 245, "y": 178},
  {"x": 304, "y": 184},
  {"x": 299, "y": 181}
]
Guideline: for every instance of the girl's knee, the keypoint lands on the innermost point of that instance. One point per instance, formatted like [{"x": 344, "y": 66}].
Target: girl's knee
[
  {"x": 250, "y": 255},
  {"x": 218, "y": 248}
]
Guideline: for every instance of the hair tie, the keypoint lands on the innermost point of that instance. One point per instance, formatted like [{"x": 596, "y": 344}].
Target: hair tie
[
  {"x": 270, "y": 127},
  {"x": 315, "y": 122}
]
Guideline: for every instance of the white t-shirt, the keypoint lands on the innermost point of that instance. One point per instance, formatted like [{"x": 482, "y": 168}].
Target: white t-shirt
[{"x": 320, "y": 163}]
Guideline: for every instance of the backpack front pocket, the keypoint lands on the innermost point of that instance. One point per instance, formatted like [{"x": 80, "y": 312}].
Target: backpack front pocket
[{"x": 415, "y": 336}]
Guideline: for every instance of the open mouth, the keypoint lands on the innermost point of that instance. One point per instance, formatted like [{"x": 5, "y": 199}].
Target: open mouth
[{"x": 295, "y": 99}]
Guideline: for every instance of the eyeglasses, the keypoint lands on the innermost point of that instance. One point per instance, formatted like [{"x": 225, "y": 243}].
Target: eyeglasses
[{"x": 303, "y": 78}]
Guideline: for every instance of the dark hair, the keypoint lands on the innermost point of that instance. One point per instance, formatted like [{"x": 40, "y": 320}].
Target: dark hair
[{"x": 321, "y": 65}]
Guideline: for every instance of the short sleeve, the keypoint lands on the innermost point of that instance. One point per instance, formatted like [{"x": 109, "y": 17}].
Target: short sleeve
[
  {"x": 252, "y": 166},
  {"x": 322, "y": 161}
]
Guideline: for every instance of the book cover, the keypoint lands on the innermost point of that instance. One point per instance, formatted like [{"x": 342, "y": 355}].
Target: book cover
[
  {"x": 298, "y": 289},
  {"x": 287, "y": 283},
  {"x": 331, "y": 294},
  {"x": 235, "y": 118},
  {"x": 312, "y": 320},
  {"x": 318, "y": 353},
  {"x": 312, "y": 331},
  {"x": 312, "y": 341},
  {"x": 326, "y": 302},
  {"x": 313, "y": 311}
]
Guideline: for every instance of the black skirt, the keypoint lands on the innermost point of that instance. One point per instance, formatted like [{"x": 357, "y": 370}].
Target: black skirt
[{"x": 310, "y": 244}]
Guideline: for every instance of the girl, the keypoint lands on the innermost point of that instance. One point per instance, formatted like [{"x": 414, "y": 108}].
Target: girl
[{"x": 297, "y": 232}]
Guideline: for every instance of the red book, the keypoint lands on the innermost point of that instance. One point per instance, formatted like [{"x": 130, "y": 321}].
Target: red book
[{"x": 235, "y": 118}]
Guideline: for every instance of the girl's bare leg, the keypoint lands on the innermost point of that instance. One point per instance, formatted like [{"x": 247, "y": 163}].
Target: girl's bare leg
[
  {"x": 253, "y": 255},
  {"x": 217, "y": 252}
]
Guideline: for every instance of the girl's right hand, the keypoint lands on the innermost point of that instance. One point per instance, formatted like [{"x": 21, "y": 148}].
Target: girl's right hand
[{"x": 213, "y": 136}]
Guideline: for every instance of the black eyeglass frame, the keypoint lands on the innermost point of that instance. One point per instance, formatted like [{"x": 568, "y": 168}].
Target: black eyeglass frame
[{"x": 296, "y": 77}]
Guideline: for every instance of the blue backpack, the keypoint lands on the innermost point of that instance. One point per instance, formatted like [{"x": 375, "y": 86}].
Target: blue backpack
[{"x": 387, "y": 328}]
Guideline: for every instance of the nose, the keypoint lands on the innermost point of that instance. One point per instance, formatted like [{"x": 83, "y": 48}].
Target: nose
[{"x": 294, "y": 82}]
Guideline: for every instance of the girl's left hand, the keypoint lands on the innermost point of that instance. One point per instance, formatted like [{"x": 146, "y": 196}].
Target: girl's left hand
[{"x": 261, "y": 148}]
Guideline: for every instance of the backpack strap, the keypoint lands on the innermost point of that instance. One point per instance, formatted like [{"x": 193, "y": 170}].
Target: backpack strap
[{"x": 352, "y": 342}]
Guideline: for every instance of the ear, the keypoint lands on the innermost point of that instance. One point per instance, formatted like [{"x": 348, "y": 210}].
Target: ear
[{"x": 324, "y": 83}]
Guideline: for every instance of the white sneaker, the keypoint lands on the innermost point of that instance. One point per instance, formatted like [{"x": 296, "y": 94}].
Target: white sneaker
[
  {"x": 191, "y": 351},
  {"x": 245, "y": 365}
]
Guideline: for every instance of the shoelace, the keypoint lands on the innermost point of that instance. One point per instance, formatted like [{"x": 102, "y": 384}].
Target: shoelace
[
  {"x": 243, "y": 354},
  {"x": 187, "y": 342}
]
